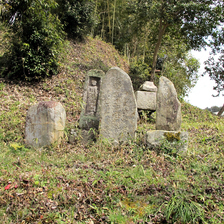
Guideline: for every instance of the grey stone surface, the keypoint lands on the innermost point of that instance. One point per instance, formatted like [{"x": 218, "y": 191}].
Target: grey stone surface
[
  {"x": 146, "y": 100},
  {"x": 154, "y": 139},
  {"x": 118, "y": 107},
  {"x": 90, "y": 114},
  {"x": 168, "y": 107},
  {"x": 148, "y": 86},
  {"x": 73, "y": 136},
  {"x": 45, "y": 123},
  {"x": 88, "y": 136}
]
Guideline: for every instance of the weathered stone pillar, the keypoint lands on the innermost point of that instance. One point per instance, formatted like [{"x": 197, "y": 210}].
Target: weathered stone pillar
[{"x": 45, "y": 123}]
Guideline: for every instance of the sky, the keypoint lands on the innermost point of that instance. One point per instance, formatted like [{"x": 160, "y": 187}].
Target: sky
[{"x": 201, "y": 94}]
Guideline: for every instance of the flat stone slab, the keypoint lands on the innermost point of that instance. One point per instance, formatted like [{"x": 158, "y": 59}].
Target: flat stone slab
[
  {"x": 148, "y": 86},
  {"x": 154, "y": 139},
  {"x": 146, "y": 100},
  {"x": 45, "y": 123},
  {"x": 118, "y": 107}
]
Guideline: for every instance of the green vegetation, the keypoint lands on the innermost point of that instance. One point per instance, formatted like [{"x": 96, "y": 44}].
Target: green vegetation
[
  {"x": 99, "y": 183},
  {"x": 36, "y": 39}
]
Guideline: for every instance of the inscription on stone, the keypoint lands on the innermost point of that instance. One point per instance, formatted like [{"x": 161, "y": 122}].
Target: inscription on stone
[{"x": 118, "y": 106}]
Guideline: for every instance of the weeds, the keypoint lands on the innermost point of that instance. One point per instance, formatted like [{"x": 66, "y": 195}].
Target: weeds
[
  {"x": 183, "y": 210},
  {"x": 100, "y": 183}
]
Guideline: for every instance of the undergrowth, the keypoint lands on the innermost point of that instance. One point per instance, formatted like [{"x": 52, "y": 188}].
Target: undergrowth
[{"x": 100, "y": 183}]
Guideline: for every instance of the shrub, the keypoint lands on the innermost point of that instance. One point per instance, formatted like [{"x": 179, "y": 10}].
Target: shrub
[
  {"x": 37, "y": 39},
  {"x": 76, "y": 16}
]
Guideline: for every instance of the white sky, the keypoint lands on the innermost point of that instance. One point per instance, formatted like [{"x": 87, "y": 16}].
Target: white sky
[{"x": 201, "y": 94}]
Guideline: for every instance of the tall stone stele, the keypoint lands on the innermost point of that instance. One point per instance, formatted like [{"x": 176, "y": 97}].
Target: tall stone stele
[
  {"x": 90, "y": 115},
  {"x": 45, "y": 123},
  {"x": 118, "y": 107},
  {"x": 168, "y": 107}
]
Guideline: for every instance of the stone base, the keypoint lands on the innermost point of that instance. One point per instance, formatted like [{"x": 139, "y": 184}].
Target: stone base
[
  {"x": 87, "y": 122},
  {"x": 154, "y": 139},
  {"x": 88, "y": 136}
]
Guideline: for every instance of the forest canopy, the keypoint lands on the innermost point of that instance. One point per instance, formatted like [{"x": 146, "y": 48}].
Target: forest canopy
[{"x": 154, "y": 35}]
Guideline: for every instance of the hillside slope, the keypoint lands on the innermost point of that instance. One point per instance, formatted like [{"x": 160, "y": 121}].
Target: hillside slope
[
  {"x": 75, "y": 183},
  {"x": 66, "y": 87}
]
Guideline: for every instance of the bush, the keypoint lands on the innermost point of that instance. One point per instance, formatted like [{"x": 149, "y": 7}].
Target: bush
[
  {"x": 76, "y": 16},
  {"x": 139, "y": 73},
  {"x": 37, "y": 39}
]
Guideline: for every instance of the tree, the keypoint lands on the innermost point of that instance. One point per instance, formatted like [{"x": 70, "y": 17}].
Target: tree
[
  {"x": 76, "y": 16},
  {"x": 36, "y": 41},
  {"x": 221, "y": 111},
  {"x": 180, "y": 67},
  {"x": 191, "y": 21},
  {"x": 215, "y": 69},
  {"x": 214, "y": 66}
]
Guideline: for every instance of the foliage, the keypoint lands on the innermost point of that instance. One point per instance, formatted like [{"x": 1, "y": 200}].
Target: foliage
[
  {"x": 139, "y": 73},
  {"x": 214, "y": 109},
  {"x": 182, "y": 69},
  {"x": 190, "y": 21},
  {"x": 214, "y": 66},
  {"x": 174, "y": 63},
  {"x": 36, "y": 41},
  {"x": 101, "y": 183},
  {"x": 215, "y": 69},
  {"x": 76, "y": 16}
]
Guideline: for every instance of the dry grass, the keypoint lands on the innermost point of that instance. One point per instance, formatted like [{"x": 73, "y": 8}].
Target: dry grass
[{"x": 100, "y": 183}]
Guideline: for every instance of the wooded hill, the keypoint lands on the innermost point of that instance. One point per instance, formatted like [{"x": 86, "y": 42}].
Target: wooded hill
[
  {"x": 98, "y": 183},
  {"x": 152, "y": 35}
]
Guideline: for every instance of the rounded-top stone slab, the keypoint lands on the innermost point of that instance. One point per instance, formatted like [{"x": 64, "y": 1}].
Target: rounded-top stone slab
[
  {"x": 118, "y": 120},
  {"x": 168, "y": 107}
]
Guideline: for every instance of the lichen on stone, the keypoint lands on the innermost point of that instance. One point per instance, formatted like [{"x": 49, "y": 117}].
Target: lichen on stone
[{"x": 172, "y": 136}]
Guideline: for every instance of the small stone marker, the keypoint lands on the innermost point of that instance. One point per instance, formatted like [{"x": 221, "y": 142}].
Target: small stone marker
[
  {"x": 118, "y": 107},
  {"x": 168, "y": 107},
  {"x": 90, "y": 114},
  {"x": 148, "y": 86},
  {"x": 146, "y": 97},
  {"x": 45, "y": 123}
]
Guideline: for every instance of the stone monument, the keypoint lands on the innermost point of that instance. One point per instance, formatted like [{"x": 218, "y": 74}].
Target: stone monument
[
  {"x": 168, "y": 118},
  {"x": 146, "y": 97},
  {"x": 118, "y": 107},
  {"x": 90, "y": 115},
  {"x": 45, "y": 123},
  {"x": 168, "y": 107}
]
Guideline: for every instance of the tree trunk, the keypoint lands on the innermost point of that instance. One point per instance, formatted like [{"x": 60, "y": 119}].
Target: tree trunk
[
  {"x": 95, "y": 12},
  {"x": 221, "y": 111},
  {"x": 162, "y": 29},
  {"x": 108, "y": 11},
  {"x": 113, "y": 21}
]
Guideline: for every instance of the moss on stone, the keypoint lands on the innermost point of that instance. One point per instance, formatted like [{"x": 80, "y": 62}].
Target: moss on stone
[{"x": 170, "y": 136}]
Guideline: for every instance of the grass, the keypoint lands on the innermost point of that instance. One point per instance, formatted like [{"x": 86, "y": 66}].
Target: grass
[{"x": 99, "y": 183}]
